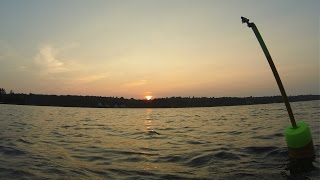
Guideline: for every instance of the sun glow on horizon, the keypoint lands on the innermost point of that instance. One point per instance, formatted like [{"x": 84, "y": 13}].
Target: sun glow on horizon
[{"x": 148, "y": 97}]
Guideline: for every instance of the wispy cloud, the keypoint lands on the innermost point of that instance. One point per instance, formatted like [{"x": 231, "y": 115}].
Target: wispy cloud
[
  {"x": 22, "y": 68},
  {"x": 47, "y": 59},
  {"x": 54, "y": 65},
  {"x": 91, "y": 78},
  {"x": 136, "y": 83}
]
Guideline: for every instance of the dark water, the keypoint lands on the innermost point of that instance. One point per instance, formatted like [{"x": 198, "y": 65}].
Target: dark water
[{"x": 240, "y": 142}]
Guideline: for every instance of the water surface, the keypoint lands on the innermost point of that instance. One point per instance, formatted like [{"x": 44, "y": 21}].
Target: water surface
[{"x": 238, "y": 142}]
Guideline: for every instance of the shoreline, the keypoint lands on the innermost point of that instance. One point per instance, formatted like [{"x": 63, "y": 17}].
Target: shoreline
[{"x": 173, "y": 102}]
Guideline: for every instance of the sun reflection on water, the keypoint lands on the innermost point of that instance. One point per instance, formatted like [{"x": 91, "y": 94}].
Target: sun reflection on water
[{"x": 148, "y": 129}]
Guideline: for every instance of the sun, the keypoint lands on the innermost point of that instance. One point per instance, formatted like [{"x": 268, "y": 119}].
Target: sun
[{"x": 148, "y": 97}]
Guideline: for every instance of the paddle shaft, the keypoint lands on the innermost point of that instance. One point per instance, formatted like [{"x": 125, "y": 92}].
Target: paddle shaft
[{"x": 274, "y": 70}]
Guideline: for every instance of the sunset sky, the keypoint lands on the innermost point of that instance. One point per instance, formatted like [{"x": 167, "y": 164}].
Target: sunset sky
[{"x": 134, "y": 48}]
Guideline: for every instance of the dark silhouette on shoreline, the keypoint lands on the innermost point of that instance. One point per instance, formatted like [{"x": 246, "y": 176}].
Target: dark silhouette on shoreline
[{"x": 116, "y": 102}]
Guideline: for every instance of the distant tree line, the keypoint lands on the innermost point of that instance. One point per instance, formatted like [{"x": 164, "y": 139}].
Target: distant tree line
[{"x": 116, "y": 102}]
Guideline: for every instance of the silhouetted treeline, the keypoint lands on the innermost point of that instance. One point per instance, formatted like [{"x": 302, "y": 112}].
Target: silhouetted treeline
[{"x": 116, "y": 102}]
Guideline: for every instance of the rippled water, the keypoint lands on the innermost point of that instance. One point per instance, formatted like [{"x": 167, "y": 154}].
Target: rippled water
[{"x": 239, "y": 142}]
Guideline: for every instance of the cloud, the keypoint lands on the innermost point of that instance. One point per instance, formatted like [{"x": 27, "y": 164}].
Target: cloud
[
  {"x": 136, "y": 83},
  {"x": 91, "y": 78},
  {"x": 53, "y": 64},
  {"x": 22, "y": 68},
  {"x": 47, "y": 59}
]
